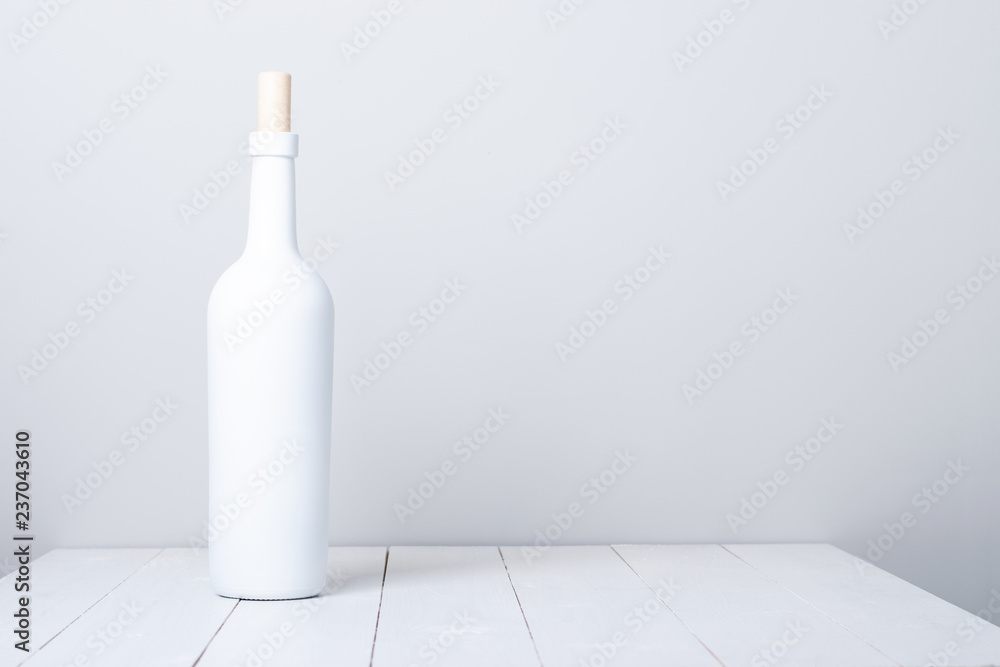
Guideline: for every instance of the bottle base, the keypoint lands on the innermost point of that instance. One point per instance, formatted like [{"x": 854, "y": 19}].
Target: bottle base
[{"x": 268, "y": 595}]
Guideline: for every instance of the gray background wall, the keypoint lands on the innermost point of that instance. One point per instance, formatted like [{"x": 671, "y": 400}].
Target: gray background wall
[{"x": 887, "y": 94}]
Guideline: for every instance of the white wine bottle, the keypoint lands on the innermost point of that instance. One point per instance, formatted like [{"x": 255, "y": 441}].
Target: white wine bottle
[{"x": 270, "y": 384}]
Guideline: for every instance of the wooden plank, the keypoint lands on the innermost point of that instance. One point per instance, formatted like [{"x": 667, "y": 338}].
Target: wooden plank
[
  {"x": 744, "y": 617},
  {"x": 904, "y": 621},
  {"x": 655, "y": 605},
  {"x": 585, "y": 606},
  {"x": 336, "y": 628},
  {"x": 450, "y": 606},
  {"x": 165, "y": 613},
  {"x": 64, "y": 584}
]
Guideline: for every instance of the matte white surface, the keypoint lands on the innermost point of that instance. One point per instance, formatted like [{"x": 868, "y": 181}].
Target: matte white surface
[
  {"x": 869, "y": 602},
  {"x": 66, "y": 583},
  {"x": 165, "y": 613},
  {"x": 572, "y": 605},
  {"x": 578, "y": 599},
  {"x": 270, "y": 379},
  {"x": 739, "y": 613},
  {"x": 450, "y": 606},
  {"x": 340, "y": 622},
  {"x": 553, "y": 90}
]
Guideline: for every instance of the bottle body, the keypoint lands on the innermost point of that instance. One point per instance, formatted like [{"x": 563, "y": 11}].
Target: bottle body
[{"x": 270, "y": 371}]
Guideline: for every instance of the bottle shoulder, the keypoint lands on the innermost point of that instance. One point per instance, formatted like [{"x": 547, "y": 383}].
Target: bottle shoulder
[{"x": 286, "y": 275}]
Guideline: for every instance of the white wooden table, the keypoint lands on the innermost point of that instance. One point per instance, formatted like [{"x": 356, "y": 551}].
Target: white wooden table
[{"x": 749, "y": 605}]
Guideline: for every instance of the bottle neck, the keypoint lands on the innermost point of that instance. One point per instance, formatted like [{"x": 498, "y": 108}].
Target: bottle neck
[{"x": 271, "y": 231}]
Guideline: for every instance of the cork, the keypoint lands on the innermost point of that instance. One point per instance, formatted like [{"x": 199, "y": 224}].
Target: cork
[{"x": 274, "y": 102}]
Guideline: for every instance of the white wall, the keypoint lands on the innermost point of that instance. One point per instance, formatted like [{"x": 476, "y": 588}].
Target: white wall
[{"x": 654, "y": 186}]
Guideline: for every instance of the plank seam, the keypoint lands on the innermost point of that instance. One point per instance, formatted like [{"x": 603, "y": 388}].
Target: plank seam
[
  {"x": 667, "y": 605},
  {"x": 96, "y": 602},
  {"x": 216, "y": 633},
  {"x": 381, "y": 594},
  {"x": 518, "y": 599},
  {"x": 765, "y": 575}
]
